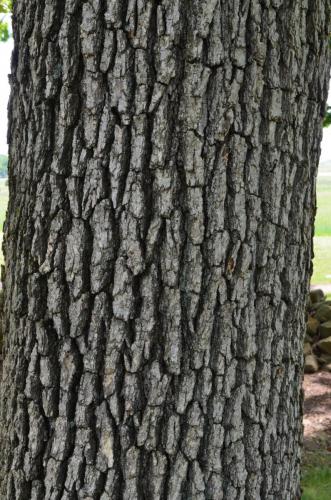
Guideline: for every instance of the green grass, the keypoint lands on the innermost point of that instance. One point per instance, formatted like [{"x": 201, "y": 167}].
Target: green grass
[
  {"x": 322, "y": 240},
  {"x": 316, "y": 483},
  {"x": 322, "y": 260},
  {"x": 323, "y": 216},
  {"x": 316, "y": 470}
]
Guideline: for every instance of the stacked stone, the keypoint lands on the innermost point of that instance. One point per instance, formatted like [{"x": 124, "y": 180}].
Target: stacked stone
[{"x": 317, "y": 343}]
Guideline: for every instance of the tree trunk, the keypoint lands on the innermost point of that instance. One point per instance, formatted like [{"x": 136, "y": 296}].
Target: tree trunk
[{"x": 163, "y": 159}]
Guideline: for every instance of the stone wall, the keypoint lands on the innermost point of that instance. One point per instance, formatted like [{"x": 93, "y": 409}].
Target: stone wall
[{"x": 317, "y": 344}]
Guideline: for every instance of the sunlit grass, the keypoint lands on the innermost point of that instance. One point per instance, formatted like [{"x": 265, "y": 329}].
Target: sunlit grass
[
  {"x": 322, "y": 260},
  {"x": 323, "y": 216},
  {"x": 322, "y": 240}
]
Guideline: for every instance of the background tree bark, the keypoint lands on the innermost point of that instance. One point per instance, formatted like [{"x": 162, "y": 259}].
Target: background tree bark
[{"x": 163, "y": 159}]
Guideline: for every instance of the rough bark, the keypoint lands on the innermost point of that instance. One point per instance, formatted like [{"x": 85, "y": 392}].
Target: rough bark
[{"x": 163, "y": 159}]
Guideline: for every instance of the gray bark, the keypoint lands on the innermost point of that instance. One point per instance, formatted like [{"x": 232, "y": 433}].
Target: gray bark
[{"x": 163, "y": 159}]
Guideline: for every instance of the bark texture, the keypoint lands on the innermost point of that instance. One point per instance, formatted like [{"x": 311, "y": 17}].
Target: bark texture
[{"x": 163, "y": 158}]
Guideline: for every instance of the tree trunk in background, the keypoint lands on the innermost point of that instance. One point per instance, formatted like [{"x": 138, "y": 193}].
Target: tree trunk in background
[{"x": 163, "y": 159}]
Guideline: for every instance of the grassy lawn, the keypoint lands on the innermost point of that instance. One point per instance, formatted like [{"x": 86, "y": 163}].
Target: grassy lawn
[
  {"x": 322, "y": 260},
  {"x": 322, "y": 240},
  {"x": 316, "y": 483},
  {"x": 323, "y": 216}
]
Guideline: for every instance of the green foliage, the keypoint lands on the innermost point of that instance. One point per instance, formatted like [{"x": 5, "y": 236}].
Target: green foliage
[
  {"x": 5, "y": 8},
  {"x": 327, "y": 119},
  {"x": 4, "y": 32}
]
